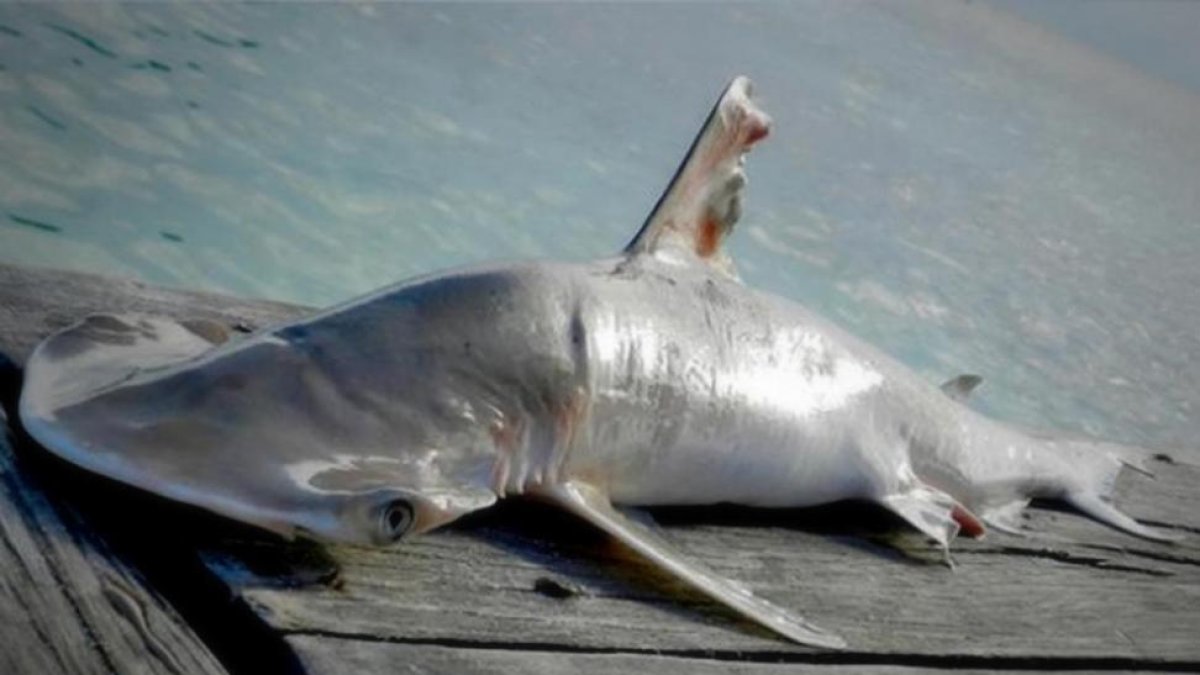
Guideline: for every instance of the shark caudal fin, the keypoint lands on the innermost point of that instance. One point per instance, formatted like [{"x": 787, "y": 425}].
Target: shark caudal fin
[{"x": 1094, "y": 467}]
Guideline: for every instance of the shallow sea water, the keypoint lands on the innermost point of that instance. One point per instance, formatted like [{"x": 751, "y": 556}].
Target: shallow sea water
[{"x": 971, "y": 192}]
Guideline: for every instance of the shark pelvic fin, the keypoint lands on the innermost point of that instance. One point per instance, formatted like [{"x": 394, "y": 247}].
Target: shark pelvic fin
[
  {"x": 703, "y": 201},
  {"x": 1006, "y": 517},
  {"x": 592, "y": 505},
  {"x": 933, "y": 512},
  {"x": 961, "y": 387}
]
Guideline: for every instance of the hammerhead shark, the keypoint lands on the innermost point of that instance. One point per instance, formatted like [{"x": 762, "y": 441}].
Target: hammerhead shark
[{"x": 654, "y": 377}]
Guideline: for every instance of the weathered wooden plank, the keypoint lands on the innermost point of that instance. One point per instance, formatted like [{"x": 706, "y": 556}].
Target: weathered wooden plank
[
  {"x": 1079, "y": 595},
  {"x": 68, "y": 605},
  {"x": 1011, "y": 598}
]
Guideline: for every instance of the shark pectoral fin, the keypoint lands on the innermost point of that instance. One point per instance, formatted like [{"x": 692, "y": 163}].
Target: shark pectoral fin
[
  {"x": 592, "y": 505},
  {"x": 703, "y": 201},
  {"x": 929, "y": 510}
]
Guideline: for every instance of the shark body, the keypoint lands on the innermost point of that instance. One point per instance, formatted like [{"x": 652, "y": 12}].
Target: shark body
[{"x": 655, "y": 377}]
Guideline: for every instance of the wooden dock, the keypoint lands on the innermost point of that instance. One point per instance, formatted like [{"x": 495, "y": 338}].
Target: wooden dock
[{"x": 99, "y": 578}]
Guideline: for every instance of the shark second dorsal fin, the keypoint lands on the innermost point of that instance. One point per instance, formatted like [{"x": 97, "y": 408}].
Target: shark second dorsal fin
[
  {"x": 703, "y": 201},
  {"x": 961, "y": 387}
]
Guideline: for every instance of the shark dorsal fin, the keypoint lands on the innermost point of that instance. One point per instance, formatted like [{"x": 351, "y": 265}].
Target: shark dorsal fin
[
  {"x": 703, "y": 201},
  {"x": 961, "y": 387}
]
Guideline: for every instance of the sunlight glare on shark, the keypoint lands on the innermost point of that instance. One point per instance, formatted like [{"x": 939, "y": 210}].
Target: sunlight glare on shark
[{"x": 654, "y": 377}]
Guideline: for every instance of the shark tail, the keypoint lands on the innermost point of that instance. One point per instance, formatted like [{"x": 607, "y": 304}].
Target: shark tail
[{"x": 1094, "y": 467}]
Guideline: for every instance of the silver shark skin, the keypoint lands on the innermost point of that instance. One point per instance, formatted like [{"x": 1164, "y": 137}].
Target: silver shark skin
[{"x": 652, "y": 378}]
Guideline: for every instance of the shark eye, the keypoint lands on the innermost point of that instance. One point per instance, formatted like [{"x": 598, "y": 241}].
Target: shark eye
[{"x": 395, "y": 519}]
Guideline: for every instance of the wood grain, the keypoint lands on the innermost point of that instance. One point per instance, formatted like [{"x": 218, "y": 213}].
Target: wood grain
[
  {"x": 1008, "y": 598},
  {"x": 68, "y": 605}
]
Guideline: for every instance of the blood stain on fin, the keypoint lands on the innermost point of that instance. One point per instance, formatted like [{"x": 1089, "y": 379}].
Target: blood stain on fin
[
  {"x": 592, "y": 505},
  {"x": 968, "y": 523},
  {"x": 703, "y": 201}
]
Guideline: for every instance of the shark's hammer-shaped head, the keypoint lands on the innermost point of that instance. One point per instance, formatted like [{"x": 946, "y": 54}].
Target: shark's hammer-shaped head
[{"x": 106, "y": 394}]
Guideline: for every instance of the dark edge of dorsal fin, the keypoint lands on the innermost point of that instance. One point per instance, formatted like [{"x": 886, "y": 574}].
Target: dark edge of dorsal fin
[
  {"x": 703, "y": 201},
  {"x": 961, "y": 387}
]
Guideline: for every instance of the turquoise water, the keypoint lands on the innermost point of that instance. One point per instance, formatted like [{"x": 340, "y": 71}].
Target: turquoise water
[{"x": 970, "y": 191}]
